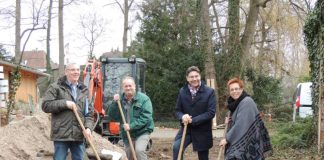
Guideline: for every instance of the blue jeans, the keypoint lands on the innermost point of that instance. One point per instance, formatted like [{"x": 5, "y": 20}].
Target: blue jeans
[
  {"x": 61, "y": 148},
  {"x": 202, "y": 155}
]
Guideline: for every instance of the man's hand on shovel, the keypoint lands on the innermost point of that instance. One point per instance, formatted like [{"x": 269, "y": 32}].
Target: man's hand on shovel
[
  {"x": 71, "y": 105},
  {"x": 186, "y": 119},
  {"x": 87, "y": 134}
]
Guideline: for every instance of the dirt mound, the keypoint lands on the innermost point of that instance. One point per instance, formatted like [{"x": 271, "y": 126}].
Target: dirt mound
[{"x": 23, "y": 139}]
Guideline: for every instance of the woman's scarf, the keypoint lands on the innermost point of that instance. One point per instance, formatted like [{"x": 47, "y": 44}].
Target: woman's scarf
[{"x": 232, "y": 103}]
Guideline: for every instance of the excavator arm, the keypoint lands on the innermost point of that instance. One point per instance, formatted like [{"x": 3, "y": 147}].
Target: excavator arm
[{"x": 93, "y": 80}]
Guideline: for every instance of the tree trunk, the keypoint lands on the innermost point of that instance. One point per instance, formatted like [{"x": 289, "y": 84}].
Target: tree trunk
[
  {"x": 210, "y": 73},
  {"x": 48, "y": 39},
  {"x": 126, "y": 11},
  {"x": 17, "y": 34},
  {"x": 248, "y": 33},
  {"x": 14, "y": 76},
  {"x": 234, "y": 50},
  {"x": 207, "y": 42},
  {"x": 261, "y": 58},
  {"x": 61, "y": 38}
]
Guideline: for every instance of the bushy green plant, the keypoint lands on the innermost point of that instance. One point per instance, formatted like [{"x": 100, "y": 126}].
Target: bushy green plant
[
  {"x": 282, "y": 113},
  {"x": 294, "y": 135},
  {"x": 266, "y": 89}
]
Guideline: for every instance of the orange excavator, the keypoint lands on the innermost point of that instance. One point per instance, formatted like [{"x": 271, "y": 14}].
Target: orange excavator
[{"x": 103, "y": 78}]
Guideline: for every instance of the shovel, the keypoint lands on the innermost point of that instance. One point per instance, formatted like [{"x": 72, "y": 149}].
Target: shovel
[
  {"x": 127, "y": 132},
  {"x": 83, "y": 129},
  {"x": 182, "y": 140},
  {"x": 221, "y": 152}
]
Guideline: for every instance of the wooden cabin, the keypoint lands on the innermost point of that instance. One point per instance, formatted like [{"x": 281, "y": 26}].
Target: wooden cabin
[{"x": 28, "y": 89}]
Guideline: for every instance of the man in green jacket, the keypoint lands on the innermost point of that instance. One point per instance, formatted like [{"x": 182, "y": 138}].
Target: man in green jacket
[
  {"x": 60, "y": 99},
  {"x": 138, "y": 111}
]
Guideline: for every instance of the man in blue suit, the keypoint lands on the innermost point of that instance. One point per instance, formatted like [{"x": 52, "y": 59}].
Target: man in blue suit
[{"x": 196, "y": 107}]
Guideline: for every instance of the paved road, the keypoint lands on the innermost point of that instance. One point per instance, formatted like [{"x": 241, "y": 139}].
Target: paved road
[{"x": 171, "y": 132}]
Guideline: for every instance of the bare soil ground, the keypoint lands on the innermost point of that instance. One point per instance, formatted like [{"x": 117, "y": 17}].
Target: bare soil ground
[
  {"x": 163, "y": 139},
  {"x": 162, "y": 145},
  {"x": 162, "y": 150},
  {"x": 23, "y": 139}
]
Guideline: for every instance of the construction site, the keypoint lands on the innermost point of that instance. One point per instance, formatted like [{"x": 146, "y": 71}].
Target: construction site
[{"x": 28, "y": 138}]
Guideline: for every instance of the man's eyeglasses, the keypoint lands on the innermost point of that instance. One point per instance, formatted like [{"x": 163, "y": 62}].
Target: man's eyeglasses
[
  {"x": 235, "y": 89},
  {"x": 74, "y": 69},
  {"x": 192, "y": 77}
]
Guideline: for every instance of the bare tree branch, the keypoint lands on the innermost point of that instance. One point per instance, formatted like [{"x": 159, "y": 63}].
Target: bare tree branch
[
  {"x": 218, "y": 25},
  {"x": 296, "y": 6},
  {"x": 308, "y": 6},
  {"x": 263, "y": 3},
  {"x": 120, "y": 6},
  {"x": 130, "y": 5},
  {"x": 93, "y": 28},
  {"x": 31, "y": 30}
]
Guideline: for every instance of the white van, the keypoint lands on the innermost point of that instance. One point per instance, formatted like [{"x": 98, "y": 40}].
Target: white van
[{"x": 302, "y": 100}]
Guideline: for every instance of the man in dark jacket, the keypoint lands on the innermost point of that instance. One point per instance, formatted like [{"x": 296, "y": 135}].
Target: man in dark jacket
[
  {"x": 196, "y": 107},
  {"x": 60, "y": 99},
  {"x": 138, "y": 111}
]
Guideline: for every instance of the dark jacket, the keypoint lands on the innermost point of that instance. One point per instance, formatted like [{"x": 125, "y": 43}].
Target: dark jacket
[
  {"x": 202, "y": 109},
  {"x": 141, "y": 116},
  {"x": 65, "y": 126}
]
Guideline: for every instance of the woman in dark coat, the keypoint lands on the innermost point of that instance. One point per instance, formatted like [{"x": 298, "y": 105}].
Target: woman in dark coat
[
  {"x": 246, "y": 137},
  {"x": 196, "y": 106}
]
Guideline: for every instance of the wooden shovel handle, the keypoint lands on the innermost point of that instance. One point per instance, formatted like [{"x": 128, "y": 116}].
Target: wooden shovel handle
[
  {"x": 127, "y": 132},
  {"x": 87, "y": 138},
  {"x": 182, "y": 140},
  {"x": 224, "y": 134}
]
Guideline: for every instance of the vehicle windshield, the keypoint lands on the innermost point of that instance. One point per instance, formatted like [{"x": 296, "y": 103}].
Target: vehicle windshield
[{"x": 113, "y": 75}]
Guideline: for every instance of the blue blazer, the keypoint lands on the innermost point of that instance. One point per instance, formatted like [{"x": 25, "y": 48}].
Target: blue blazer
[{"x": 202, "y": 108}]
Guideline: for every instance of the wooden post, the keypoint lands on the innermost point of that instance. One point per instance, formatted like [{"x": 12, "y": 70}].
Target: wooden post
[
  {"x": 211, "y": 84},
  {"x": 320, "y": 119}
]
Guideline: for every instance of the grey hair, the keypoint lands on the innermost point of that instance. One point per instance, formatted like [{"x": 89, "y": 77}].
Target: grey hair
[
  {"x": 69, "y": 65},
  {"x": 128, "y": 78}
]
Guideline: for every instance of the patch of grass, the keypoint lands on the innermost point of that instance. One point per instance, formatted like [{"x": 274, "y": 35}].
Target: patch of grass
[
  {"x": 298, "y": 135},
  {"x": 293, "y": 154},
  {"x": 293, "y": 140}
]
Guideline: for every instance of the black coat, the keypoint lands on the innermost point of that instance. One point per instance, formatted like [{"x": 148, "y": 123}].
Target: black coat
[{"x": 202, "y": 109}]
